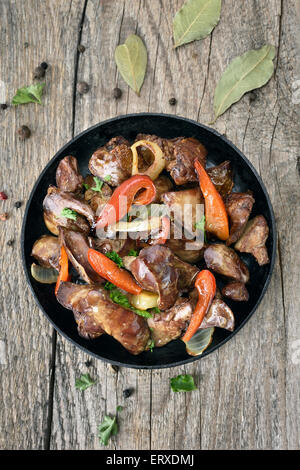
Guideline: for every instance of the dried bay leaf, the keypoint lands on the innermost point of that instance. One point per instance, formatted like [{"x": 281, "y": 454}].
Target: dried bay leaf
[
  {"x": 131, "y": 60},
  {"x": 251, "y": 70},
  {"x": 195, "y": 20}
]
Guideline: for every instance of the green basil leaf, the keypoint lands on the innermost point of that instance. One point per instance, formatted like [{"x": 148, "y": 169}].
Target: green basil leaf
[
  {"x": 84, "y": 382},
  {"x": 68, "y": 213},
  {"x": 251, "y": 70},
  {"x": 195, "y": 20},
  {"x": 131, "y": 60},
  {"x": 29, "y": 94},
  {"x": 183, "y": 383}
]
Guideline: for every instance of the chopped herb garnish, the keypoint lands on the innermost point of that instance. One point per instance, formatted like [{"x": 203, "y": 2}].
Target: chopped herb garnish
[
  {"x": 155, "y": 310},
  {"x": 84, "y": 382},
  {"x": 98, "y": 184},
  {"x": 29, "y": 94},
  {"x": 68, "y": 213},
  {"x": 132, "y": 253},
  {"x": 201, "y": 226},
  {"x": 107, "y": 178},
  {"x": 151, "y": 345},
  {"x": 113, "y": 255},
  {"x": 108, "y": 427},
  {"x": 183, "y": 383},
  {"x": 109, "y": 286},
  {"x": 85, "y": 185},
  {"x": 121, "y": 299}
]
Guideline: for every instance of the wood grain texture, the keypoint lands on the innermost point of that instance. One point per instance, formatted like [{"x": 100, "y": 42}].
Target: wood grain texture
[{"x": 248, "y": 394}]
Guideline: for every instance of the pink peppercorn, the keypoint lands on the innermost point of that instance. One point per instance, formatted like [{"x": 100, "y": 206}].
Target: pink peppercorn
[{"x": 2, "y": 195}]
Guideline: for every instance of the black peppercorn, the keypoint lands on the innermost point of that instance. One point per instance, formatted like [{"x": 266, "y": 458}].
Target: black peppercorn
[
  {"x": 24, "y": 132},
  {"x": 39, "y": 72},
  {"x": 10, "y": 242},
  {"x": 81, "y": 48},
  {"x": 117, "y": 93},
  {"x": 26, "y": 44},
  {"x": 44, "y": 65},
  {"x": 88, "y": 363},
  {"x": 82, "y": 87},
  {"x": 127, "y": 392},
  {"x": 18, "y": 204},
  {"x": 172, "y": 101},
  {"x": 3, "y": 106}
]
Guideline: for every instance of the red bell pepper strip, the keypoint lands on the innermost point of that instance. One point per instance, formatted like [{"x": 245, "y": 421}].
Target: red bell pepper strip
[
  {"x": 216, "y": 219},
  {"x": 64, "y": 269},
  {"x": 164, "y": 233},
  {"x": 123, "y": 198},
  {"x": 206, "y": 287},
  {"x": 110, "y": 271}
]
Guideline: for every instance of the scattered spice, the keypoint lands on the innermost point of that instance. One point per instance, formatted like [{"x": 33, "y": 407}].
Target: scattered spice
[
  {"x": 3, "y": 196},
  {"x": 117, "y": 93},
  {"x": 26, "y": 44},
  {"x": 39, "y": 72},
  {"x": 3, "y": 106},
  {"x": 172, "y": 101},
  {"x": 4, "y": 216},
  {"x": 127, "y": 392},
  {"x": 88, "y": 363},
  {"x": 18, "y": 204},
  {"x": 44, "y": 65},
  {"x": 114, "y": 368},
  {"x": 10, "y": 242},
  {"x": 81, "y": 48},
  {"x": 24, "y": 132},
  {"x": 82, "y": 87},
  {"x": 252, "y": 96}
]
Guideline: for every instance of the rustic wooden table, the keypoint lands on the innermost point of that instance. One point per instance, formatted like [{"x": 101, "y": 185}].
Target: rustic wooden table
[{"x": 248, "y": 393}]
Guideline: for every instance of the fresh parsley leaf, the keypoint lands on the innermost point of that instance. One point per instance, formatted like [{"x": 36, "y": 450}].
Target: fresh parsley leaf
[
  {"x": 121, "y": 299},
  {"x": 132, "y": 253},
  {"x": 151, "y": 345},
  {"x": 109, "y": 286},
  {"x": 98, "y": 184},
  {"x": 84, "y": 382},
  {"x": 155, "y": 310},
  {"x": 68, "y": 213},
  {"x": 183, "y": 383},
  {"x": 107, "y": 178},
  {"x": 113, "y": 255},
  {"x": 29, "y": 94},
  {"x": 85, "y": 185},
  {"x": 108, "y": 427},
  {"x": 201, "y": 226}
]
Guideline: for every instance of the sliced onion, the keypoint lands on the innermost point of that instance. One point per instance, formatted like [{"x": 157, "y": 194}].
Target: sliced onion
[
  {"x": 43, "y": 275},
  {"x": 144, "y": 300},
  {"x": 137, "y": 225},
  {"x": 199, "y": 342},
  {"x": 158, "y": 164}
]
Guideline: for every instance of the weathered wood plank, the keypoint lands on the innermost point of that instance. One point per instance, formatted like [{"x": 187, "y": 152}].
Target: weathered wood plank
[{"x": 25, "y": 333}]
